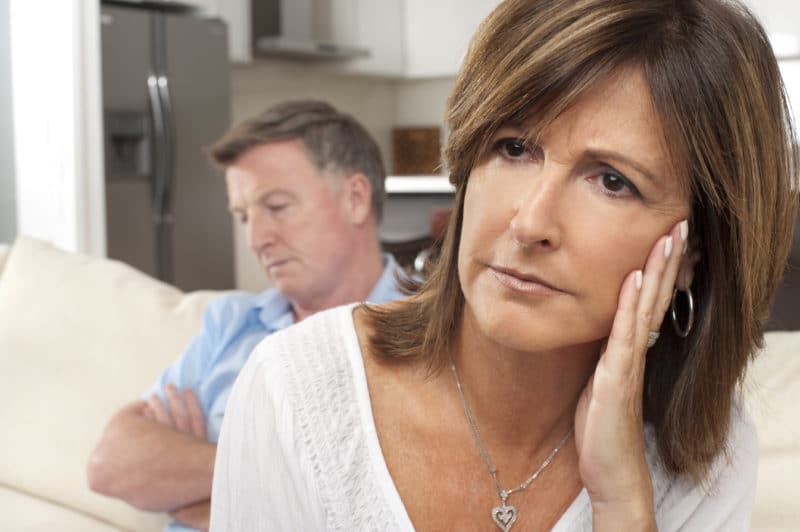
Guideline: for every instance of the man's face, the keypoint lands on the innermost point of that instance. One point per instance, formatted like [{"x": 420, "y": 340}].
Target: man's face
[{"x": 296, "y": 219}]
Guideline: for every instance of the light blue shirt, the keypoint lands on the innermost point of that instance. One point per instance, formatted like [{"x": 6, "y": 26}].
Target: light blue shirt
[{"x": 232, "y": 326}]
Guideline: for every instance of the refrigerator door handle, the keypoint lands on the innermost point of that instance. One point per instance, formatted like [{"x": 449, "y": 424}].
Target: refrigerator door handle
[
  {"x": 169, "y": 147},
  {"x": 159, "y": 159}
]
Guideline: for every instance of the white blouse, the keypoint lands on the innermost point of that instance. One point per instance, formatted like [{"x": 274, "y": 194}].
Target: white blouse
[{"x": 298, "y": 449}]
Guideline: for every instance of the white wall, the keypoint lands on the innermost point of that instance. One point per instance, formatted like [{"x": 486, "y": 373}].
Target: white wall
[
  {"x": 8, "y": 210},
  {"x": 57, "y": 122},
  {"x": 422, "y": 102}
]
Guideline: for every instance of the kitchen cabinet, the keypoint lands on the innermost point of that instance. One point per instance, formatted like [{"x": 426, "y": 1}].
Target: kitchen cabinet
[
  {"x": 204, "y": 6},
  {"x": 378, "y": 27},
  {"x": 236, "y": 13},
  {"x": 438, "y": 34},
  {"x": 409, "y": 39},
  {"x": 415, "y": 39}
]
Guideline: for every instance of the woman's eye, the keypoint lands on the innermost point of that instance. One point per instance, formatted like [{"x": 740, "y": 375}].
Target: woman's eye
[
  {"x": 615, "y": 185},
  {"x": 513, "y": 148}
]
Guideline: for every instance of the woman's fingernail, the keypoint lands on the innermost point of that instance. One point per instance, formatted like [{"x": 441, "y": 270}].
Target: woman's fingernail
[
  {"x": 638, "y": 279},
  {"x": 668, "y": 247},
  {"x": 684, "y": 230}
]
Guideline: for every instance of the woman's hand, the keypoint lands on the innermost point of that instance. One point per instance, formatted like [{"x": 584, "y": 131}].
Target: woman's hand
[{"x": 608, "y": 420}]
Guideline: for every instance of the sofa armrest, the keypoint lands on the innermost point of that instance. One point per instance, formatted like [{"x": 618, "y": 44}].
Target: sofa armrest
[
  {"x": 772, "y": 395},
  {"x": 79, "y": 337}
]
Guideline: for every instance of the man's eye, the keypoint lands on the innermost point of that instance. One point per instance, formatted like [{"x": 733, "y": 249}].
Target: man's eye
[
  {"x": 512, "y": 148},
  {"x": 277, "y": 207}
]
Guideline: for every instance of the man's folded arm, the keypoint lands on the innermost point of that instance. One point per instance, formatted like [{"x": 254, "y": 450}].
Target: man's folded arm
[{"x": 150, "y": 465}]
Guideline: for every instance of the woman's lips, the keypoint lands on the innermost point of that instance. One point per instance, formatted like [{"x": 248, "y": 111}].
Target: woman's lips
[{"x": 525, "y": 283}]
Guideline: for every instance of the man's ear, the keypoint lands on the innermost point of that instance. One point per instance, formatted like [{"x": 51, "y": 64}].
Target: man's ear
[
  {"x": 357, "y": 193},
  {"x": 686, "y": 270}
]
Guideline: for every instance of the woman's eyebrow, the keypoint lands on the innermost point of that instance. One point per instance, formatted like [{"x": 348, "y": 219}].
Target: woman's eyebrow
[{"x": 608, "y": 155}]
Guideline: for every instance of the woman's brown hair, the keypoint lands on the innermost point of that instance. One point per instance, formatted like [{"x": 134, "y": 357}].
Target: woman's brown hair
[{"x": 716, "y": 86}]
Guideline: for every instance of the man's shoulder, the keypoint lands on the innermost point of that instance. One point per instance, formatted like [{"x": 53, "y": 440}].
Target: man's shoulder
[
  {"x": 234, "y": 306},
  {"x": 240, "y": 300},
  {"x": 388, "y": 287}
]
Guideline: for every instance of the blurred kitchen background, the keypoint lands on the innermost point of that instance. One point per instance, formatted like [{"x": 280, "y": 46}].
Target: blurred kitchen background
[{"x": 71, "y": 158}]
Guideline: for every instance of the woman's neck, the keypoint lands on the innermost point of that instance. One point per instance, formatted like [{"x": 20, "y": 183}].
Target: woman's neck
[{"x": 521, "y": 401}]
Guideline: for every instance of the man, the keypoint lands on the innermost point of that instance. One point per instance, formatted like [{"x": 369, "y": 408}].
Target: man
[{"x": 306, "y": 181}]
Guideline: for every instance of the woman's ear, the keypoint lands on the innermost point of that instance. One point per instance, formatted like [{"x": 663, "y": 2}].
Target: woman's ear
[{"x": 686, "y": 270}]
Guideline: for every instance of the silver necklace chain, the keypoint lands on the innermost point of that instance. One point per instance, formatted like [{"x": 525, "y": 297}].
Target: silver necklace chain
[{"x": 504, "y": 515}]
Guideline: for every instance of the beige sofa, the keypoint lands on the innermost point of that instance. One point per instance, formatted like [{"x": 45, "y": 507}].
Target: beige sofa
[{"x": 81, "y": 336}]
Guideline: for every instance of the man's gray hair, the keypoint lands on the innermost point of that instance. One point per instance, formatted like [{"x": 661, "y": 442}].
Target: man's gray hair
[{"x": 336, "y": 142}]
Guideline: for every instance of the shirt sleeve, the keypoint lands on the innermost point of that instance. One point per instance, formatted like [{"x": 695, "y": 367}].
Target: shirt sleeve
[
  {"x": 261, "y": 482},
  {"x": 188, "y": 370},
  {"x": 726, "y": 502}
]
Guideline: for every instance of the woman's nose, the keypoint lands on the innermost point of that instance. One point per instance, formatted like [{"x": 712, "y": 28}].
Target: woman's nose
[{"x": 539, "y": 211}]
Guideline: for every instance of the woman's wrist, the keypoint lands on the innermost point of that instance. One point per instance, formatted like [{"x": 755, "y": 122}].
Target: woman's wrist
[{"x": 635, "y": 515}]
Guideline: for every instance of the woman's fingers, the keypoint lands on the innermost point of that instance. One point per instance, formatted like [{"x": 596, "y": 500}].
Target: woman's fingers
[
  {"x": 622, "y": 339},
  {"x": 679, "y": 235},
  {"x": 641, "y": 311},
  {"x": 659, "y": 278}
]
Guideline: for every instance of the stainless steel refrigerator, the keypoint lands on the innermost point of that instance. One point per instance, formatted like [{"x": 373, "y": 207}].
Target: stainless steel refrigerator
[{"x": 166, "y": 97}]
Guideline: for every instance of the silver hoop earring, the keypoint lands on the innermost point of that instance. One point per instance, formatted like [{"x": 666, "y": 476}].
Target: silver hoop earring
[{"x": 683, "y": 332}]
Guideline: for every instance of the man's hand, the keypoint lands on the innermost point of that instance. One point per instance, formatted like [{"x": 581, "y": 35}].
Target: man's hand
[
  {"x": 194, "y": 515},
  {"x": 153, "y": 459},
  {"x": 183, "y": 411}
]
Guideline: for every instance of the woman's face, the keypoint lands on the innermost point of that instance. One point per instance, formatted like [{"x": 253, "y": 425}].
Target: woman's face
[{"x": 551, "y": 230}]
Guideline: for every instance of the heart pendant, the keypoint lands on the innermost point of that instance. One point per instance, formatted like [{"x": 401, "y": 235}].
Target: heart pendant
[{"x": 504, "y": 516}]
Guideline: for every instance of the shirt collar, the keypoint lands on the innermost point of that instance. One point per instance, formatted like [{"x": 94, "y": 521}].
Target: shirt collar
[
  {"x": 276, "y": 310},
  {"x": 386, "y": 288}
]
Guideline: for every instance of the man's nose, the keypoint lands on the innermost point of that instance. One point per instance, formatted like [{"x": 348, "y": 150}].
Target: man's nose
[
  {"x": 539, "y": 210},
  {"x": 260, "y": 231}
]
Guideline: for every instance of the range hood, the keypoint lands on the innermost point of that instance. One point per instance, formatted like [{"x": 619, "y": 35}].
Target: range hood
[{"x": 300, "y": 29}]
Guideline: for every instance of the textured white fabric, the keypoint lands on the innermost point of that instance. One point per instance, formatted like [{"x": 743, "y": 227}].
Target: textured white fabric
[{"x": 299, "y": 451}]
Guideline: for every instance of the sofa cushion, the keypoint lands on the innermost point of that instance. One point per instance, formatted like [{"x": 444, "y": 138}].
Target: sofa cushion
[
  {"x": 773, "y": 393},
  {"x": 79, "y": 337},
  {"x": 19, "y": 511},
  {"x": 3, "y": 255}
]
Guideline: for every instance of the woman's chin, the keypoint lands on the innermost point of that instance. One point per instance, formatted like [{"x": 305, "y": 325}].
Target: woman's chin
[{"x": 529, "y": 335}]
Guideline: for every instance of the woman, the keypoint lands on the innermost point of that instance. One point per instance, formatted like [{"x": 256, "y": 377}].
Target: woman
[{"x": 623, "y": 211}]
